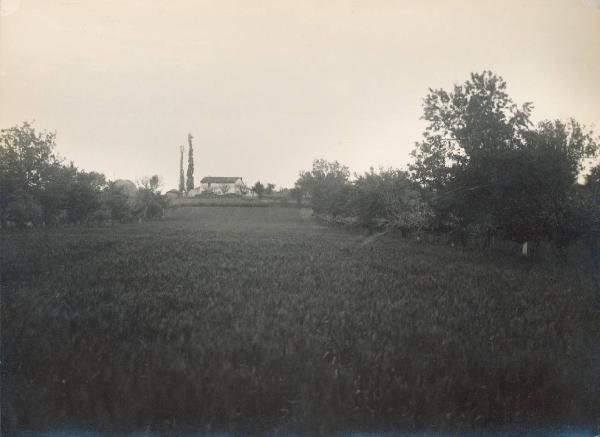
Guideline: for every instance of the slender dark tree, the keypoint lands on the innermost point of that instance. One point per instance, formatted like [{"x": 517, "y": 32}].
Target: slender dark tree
[
  {"x": 190, "y": 169},
  {"x": 181, "y": 177}
]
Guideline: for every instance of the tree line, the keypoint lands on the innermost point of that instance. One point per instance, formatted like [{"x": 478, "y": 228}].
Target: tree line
[
  {"x": 38, "y": 188},
  {"x": 482, "y": 170}
]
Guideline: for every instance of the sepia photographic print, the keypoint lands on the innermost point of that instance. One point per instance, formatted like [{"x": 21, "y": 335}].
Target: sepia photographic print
[{"x": 366, "y": 218}]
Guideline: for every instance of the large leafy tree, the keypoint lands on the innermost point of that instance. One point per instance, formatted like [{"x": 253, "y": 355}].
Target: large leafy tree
[
  {"x": 150, "y": 201},
  {"x": 27, "y": 159},
  {"x": 489, "y": 168},
  {"x": 467, "y": 127},
  {"x": 36, "y": 187},
  {"x": 27, "y": 167}
]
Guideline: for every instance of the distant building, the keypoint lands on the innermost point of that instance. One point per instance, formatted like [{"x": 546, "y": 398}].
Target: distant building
[{"x": 220, "y": 185}]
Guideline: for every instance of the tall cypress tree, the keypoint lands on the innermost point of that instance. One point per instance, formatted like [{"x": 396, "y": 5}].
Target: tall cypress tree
[
  {"x": 181, "y": 177},
  {"x": 190, "y": 169}
]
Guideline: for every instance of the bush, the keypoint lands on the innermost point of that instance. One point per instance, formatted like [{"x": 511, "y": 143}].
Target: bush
[
  {"x": 118, "y": 203},
  {"x": 22, "y": 210},
  {"x": 99, "y": 217},
  {"x": 149, "y": 203},
  {"x": 390, "y": 196},
  {"x": 154, "y": 209},
  {"x": 327, "y": 186}
]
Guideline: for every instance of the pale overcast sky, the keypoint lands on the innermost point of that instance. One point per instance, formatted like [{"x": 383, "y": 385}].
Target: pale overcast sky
[{"x": 267, "y": 86}]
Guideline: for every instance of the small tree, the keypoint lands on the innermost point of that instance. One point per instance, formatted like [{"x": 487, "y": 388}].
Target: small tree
[
  {"x": 590, "y": 223},
  {"x": 244, "y": 189},
  {"x": 117, "y": 203},
  {"x": 270, "y": 188},
  {"x": 297, "y": 193},
  {"x": 328, "y": 186},
  {"x": 151, "y": 183},
  {"x": 190, "y": 169},
  {"x": 390, "y": 195},
  {"x": 26, "y": 159},
  {"x": 150, "y": 202},
  {"x": 258, "y": 189},
  {"x": 21, "y": 210},
  {"x": 83, "y": 198}
]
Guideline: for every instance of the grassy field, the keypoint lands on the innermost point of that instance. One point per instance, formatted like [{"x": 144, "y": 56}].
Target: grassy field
[{"x": 261, "y": 319}]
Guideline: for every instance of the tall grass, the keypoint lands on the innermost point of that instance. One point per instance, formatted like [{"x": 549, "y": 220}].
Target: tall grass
[{"x": 257, "y": 318}]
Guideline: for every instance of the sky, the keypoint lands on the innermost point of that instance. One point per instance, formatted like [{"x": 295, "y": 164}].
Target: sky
[{"x": 267, "y": 86}]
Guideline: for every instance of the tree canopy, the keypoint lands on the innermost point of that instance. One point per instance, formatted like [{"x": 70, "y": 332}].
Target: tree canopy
[
  {"x": 488, "y": 166},
  {"x": 36, "y": 187},
  {"x": 327, "y": 186}
]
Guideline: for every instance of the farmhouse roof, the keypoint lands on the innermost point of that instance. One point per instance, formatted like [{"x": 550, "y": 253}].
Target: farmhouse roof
[{"x": 219, "y": 179}]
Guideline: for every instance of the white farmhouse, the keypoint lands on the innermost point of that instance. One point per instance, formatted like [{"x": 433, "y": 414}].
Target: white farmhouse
[{"x": 220, "y": 185}]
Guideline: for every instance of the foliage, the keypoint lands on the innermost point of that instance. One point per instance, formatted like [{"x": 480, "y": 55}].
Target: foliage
[
  {"x": 151, "y": 184},
  {"x": 190, "y": 170},
  {"x": 37, "y": 188},
  {"x": 269, "y": 188},
  {"x": 21, "y": 209},
  {"x": 327, "y": 185},
  {"x": 26, "y": 159},
  {"x": 118, "y": 203},
  {"x": 297, "y": 194},
  {"x": 83, "y": 197},
  {"x": 392, "y": 196},
  {"x": 487, "y": 168},
  {"x": 535, "y": 191},
  {"x": 387, "y": 197},
  {"x": 588, "y": 198},
  {"x": 258, "y": 189},
  {"x": 42, "y": 189},
  {"x": 181, "y": 177},
  {"x": 259, "y": 319},
  {"x": 466, "y": 126},
  {"x": 150, "y": 202}
]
